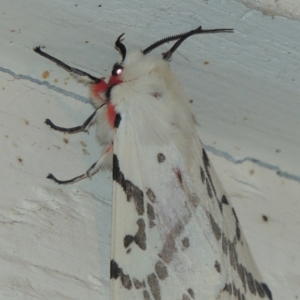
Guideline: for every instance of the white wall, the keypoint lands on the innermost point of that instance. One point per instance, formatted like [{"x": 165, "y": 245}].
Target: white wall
[{"x": 55, "y": 240}]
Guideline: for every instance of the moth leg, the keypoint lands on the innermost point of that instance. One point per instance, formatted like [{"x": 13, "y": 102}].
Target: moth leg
[
  {"x": 103, "y": 163},
  {"x": 84, "y": 127}
]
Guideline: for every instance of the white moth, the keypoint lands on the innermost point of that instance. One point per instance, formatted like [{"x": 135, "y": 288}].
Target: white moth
[{"x": 175, "y": 235}]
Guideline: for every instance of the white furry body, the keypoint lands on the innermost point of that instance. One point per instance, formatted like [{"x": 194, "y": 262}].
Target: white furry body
[{"x": 174, "y": 235}]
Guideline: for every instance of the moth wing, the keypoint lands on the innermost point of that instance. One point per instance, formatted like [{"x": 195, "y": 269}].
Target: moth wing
[{"x": 175, "y": 235}]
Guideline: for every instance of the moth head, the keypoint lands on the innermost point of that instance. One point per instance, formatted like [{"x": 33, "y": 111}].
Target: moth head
[{"x": 140, "y": 64}]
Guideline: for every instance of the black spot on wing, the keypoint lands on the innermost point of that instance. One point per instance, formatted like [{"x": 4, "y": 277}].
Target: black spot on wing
[
  {"x": 224, "y": 200},
  {"x": 237, "y": 229},
  {"x": 151, "y": 215},
  {"x": 116, "y": 272},
  {"x": 250, "y": 281},
  {"x": 132, "y": 191},
  {"x": 138, "y": 284},
  {"x": 161, "y": 270},
  {"x": 218, "y": 266},
  {"x": 224, "y": 244},
  {"x": 245, "y": 276},
  {"x": 168, "y": 250},
  {"x": 117, "y": 121},
  {"x": 237, "y": 293},
  {"x": 154, "y": 286},
  {"x": 139, "y": 238},
  {"x": 267, "y": 291},
  {"x": 161, "y": 157},
  {"x": 202, "y": 175},
  {"x": 169, "y": 247},
  {"x": 228, "y": 288},
  {"x": 126, "y": 282},
  {"x": 242, "y": 275},
  {"x": 232, "y": 255},
  {"x": 128, "y": 239},
  {"x": 215, "y": 227},
  {"x": 151, "y": 195},
  {"x": 207, "y": 166},
  {"x": 259, "y": 289},
  {"x": 146, "y": 295},
  {"x": 205, "y": 159}
]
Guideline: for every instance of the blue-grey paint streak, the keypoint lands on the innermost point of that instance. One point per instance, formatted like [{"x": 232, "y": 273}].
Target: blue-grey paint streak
[
  {"x": 254, "y": 160},
  {"x": 207, "y": 147},
  {"x": 46, "y": 84}
]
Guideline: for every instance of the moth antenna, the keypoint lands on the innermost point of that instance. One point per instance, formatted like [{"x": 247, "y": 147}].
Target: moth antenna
[
  {"x": 121, "y": 47},
  {"x": 182, "y": 37},
  {"x": 65, "y": 66}
]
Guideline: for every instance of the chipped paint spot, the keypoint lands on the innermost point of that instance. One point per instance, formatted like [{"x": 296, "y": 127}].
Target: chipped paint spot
[
  {"x": 45, "y": 74},
  {"x": 85, "y": 152},
  {"x": 185, "y": 297},
  {"x": 265, "y": 218}
]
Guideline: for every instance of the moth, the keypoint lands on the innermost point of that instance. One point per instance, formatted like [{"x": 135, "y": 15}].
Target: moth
[{"x": 175, "y": 234}]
